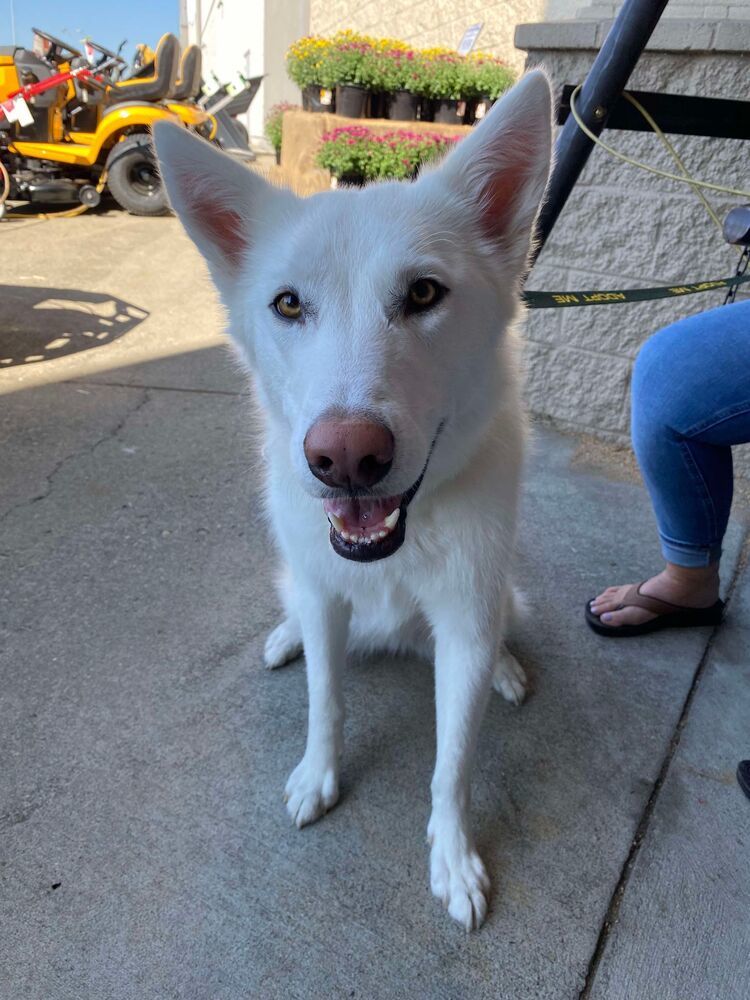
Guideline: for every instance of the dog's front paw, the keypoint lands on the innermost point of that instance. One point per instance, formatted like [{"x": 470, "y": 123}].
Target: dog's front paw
[
  {"x": 458, "y": 876},
  {"x": 283, "y": 644},
  {"x": 312, "y": 789},
  {"x": 510, "y": 678}
]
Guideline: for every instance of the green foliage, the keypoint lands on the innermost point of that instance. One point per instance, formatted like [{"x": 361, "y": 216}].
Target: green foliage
[
  {"x": 306, "y": 60},
  {"x": 390, "y": 70},
  {"x": 345, "y": 64},
  {"x": 274, "y": 121},
  {"x": 491, "y": 78},
  {"x": 357, "y": 151},
  {"x": 445, "y": 77},
  {"x": 386, "y": 64}
]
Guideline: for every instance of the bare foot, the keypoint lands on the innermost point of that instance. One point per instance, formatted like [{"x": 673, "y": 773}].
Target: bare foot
[{"x": 687, "y": 587}]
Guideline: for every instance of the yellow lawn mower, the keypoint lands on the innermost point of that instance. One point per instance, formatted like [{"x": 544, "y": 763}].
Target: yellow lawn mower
[{"x": 68, "y": 123}]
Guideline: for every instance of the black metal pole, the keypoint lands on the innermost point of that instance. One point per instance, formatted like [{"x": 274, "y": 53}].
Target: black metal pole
[{"x": 605, "y": 82}]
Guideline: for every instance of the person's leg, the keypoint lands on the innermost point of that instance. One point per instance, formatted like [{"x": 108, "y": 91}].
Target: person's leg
[{"x": 690, "y": 403}]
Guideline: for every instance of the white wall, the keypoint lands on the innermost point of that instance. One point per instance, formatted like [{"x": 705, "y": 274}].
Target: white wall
[
  {"x": 231, "y": 36},
  {"x": 286, "y": 21}
]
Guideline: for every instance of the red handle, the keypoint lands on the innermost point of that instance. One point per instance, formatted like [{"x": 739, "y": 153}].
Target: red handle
[{"x": 31, "y": 89}]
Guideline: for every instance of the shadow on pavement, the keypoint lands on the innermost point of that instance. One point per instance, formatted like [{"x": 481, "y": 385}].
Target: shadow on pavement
[{"x": 37, "y": 324}]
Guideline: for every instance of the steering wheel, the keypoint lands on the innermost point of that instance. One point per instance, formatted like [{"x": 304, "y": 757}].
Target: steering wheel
[
  {"x": 106, "y": 52},
  {"x": 56, "y": 43},
  {"x": 92, "y": 83}
]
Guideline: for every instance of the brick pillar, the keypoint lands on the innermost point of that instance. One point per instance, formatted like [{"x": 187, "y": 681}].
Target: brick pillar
[{"x": 626, "y": 228}]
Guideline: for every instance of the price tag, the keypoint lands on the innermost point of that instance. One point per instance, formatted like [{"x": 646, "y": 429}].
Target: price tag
[{"x": 469, "y": 39}]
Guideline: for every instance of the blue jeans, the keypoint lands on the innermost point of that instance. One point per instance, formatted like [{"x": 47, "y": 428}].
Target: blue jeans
[{"x": 691, "y": 403}]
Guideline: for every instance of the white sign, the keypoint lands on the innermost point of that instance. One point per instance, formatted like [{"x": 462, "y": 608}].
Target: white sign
[
  {"x": 17, "y": 110},
  {"x": 469, "y": 39}
]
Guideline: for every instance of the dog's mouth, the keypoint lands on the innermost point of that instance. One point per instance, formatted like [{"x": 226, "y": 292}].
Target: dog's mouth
[
  {"x": 369, "y": 528},
  {"x": 366, "y": 528}
]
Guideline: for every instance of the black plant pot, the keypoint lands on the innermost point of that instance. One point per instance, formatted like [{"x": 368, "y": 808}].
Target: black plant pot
[
  {"x": 470, "y": 113},
  {"x": 378, "y": 105},
  {"x": 351, "y": 180},
  {"x": 426, "y": 109},
  {"x": 403, "y": 106},
  {"x": 313, "y": 99},
  {"x": 446, "y": 112},
  {"x": 350, "y": 100}
]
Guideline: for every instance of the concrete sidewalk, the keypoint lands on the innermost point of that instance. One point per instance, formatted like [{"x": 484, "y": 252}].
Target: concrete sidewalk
[{"x": 145, "y": 850}]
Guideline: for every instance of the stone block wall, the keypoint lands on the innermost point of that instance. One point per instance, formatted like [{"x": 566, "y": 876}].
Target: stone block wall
[
  {"x": 442, "y": 22},
  {"x": 693, "y": 9},
  {"x": 626, "y": 228},
  {"x": 424, "y": 23}
]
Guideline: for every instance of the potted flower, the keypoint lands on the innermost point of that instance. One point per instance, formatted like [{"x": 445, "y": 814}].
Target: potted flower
[
  {"x": 354, "y": 154},
  {"x": 305, "y": 63},
  {"x": 381, "y": 73},
  {"x": 343, "y": 153},
  {"x": 393, "y": 73},
  {"x": 444, "y": 80},
  {"x": 347, "y": 68},
  {"x": 393, "y": 79},
  {"x": 491, "y": 78},
  {"x": 273, "y": 125}
]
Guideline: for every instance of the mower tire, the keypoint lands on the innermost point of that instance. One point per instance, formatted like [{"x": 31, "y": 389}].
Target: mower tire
[{"x": 133, "y": 178}]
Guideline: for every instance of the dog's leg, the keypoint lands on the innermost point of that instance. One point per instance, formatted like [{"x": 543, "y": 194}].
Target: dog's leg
[
  {"x": 465, "y": 657},
  {"x": 283, "y": 644},
  {"x": 313, "y": 786},
  {"x": 509, "y": 677}
]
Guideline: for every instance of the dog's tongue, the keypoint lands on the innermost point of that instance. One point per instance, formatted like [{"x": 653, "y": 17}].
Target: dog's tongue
[{"x": 361, "y": 514}]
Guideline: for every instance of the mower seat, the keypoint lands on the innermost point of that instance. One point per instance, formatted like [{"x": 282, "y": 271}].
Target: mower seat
[
  {"x": 188, "y": 83},
  {"x": 159, "y": 84},
  {"x": 31, "y": 69}
]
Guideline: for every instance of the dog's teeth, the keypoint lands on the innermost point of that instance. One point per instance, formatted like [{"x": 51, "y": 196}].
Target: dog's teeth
[
  {"x": 365, "y": 539},
  {"x": 390, "y": 521}
]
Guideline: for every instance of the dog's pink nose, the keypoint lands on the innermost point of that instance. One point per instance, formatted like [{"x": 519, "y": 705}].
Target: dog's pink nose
[{"x": 349, "y": 453}]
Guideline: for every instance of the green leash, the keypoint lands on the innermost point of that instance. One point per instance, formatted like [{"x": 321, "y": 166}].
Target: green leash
[{"x": 566, "y": 300}]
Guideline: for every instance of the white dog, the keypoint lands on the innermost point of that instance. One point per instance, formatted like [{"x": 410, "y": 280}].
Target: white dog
[{"x": 376, "y": 325}]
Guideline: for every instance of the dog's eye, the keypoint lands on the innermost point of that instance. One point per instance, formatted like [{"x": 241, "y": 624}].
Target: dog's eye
[
  {"x": 288, "y": 305},
  {"x": 423, "y": 294}
]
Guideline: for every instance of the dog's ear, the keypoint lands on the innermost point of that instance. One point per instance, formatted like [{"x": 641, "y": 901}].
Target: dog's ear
[
  {"x": 217, "y": 198},
  {"x": 501, "y": 169}
]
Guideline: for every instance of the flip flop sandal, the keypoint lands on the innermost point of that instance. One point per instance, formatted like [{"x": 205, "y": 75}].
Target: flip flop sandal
[
  {"x": 743, "y": 776},
  {"x": 670, "y": 615}
]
